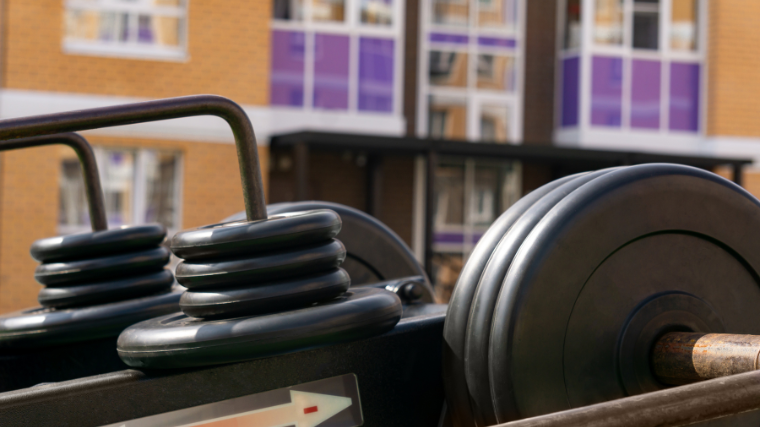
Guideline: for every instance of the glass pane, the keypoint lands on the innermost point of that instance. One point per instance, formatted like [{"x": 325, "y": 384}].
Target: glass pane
[
  {"x": 451, "y": 12},
  {"x": 117, "y": 170},
  {"x": 448, "y": 69},
  {"x": 161, "y": 183},
  {"x": 608, "y": 22},
  {"x": 447, "y": 117},
  {"x": 73, "y": 211},
  {"x": 645, "y": 94},
  {"x": 684, "y": 96},
  {"x": 573, "y": 24},
  {"x": 446, "y": 269},
  {"x": 570, "y": 91},
  {"x": 328, "y": 10},
  {"x": 646, "y": 24},
  {"x": 378, "y": 12},
  {"x": 606, "y": 91},
  {"x": 82, "y": 25},
  {"x": 483, "y": 200},
  {"x": 290, "y": 10},
  {"x": 449, "y": 197},
  {"x": 683, "y": 26},
  {"x": 494, "y": 123},
  {"x": 167, "y": 30},
  {"x": 286, "y": 77},
  {"x": 511, "y": 185},
  {"x": 497, "y": 14},
  {"x": 376, "y": 74},
  {"x": 496, "y": 72},
  {"x": 145, "y": 29},
  {"x": 331, "y": 71}
]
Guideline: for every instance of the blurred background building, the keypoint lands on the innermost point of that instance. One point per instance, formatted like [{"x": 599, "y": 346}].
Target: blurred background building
[{"x": 341, "y": 91}]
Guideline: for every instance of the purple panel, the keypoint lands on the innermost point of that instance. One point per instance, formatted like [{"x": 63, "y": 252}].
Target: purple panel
[
  {"x": 497, "y": 42},
  {"x": 645, "y": 94},
  {"x": 606, "y": 91},
  {"x": 448, "y": 38},
  {"x": 286, "y": 78},
  {"x": 570, "y": 82},
  {"x": 684, "y": 96},
  {"x": 375, "y": 74},
  {"x": 331, "y": 71},
  {"x": 451, "y": 237}
]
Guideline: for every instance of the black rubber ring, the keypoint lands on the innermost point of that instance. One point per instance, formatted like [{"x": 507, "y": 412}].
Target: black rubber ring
[
  {"x": 74, "y": 273},
  {"x": 99, "y": 243},
  {"x": 268, "y": 298}
]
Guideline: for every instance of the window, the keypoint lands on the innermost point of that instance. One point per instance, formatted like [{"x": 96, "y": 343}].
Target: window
[
  {"x": 139, "y": 186},
  {"x": 145, "y": 29},
  {"x": 470, "y": 88},
  {"x": 643, "y": 65},
  {"x": 338, "y": 55}
]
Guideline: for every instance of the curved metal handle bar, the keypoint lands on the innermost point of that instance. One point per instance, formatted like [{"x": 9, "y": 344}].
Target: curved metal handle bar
[
  {"x": 93, "y": 190},
  {"x": 151, "y": 111}
]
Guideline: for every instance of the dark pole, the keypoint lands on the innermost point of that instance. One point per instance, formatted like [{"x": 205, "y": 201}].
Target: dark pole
[
  {"x": 432, "y": 164},
  {"x": 737, "y": 169}
]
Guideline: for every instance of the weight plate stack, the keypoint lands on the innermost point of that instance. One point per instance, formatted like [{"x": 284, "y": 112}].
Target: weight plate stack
[
  {"x": 96, "y": 284},
  {"x": 561, "y": 306},
  {"x": 258, "y": 288}
]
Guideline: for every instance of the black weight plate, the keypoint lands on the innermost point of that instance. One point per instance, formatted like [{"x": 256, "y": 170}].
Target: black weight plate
[
  {"x": 481, "y": 311},
  {"x": 455, "y": 328},
  {"x": 255, "y": 269},
  {"x": 99, "y": 243},
  {"x": 265, "y": 298},
  {"x": 104, "y": 292},
  {"x": 42, "y": 327},
  {"x": 536, "y": 325},
  {"x": 177, "y": 341},
  {"x": 237, "y": 238},
  {"x": 70, "y": 273}
]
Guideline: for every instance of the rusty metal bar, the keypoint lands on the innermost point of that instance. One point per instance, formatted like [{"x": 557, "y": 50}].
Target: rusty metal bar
[
  {"x": 677, "y": 406},
  {"x": 82, "y": 148},
  {"x": 151, "y": 111},
  {"x": 687, "y": 357}
]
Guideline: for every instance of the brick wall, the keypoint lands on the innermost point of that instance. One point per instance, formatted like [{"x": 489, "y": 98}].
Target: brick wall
[
  {"x": 228, "y": 46},
  {"x": 29, "y": 201}
]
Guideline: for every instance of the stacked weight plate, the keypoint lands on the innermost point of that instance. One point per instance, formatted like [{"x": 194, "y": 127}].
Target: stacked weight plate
[
  {"x": 258, "y": 288},
  {"x": 561, "y": 301}
]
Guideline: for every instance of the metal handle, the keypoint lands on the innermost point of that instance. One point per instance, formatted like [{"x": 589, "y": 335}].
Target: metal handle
[
  {"x": 151, "y": 111},
  {"x": 93, "y": 190}
]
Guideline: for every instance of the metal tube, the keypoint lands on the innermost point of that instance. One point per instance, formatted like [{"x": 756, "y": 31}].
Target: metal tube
[
  {"x": 93, "y": 190},
  {"x": 677, "y": 406},
  {"x": 686, "y": 357},
  {"x": 151, "y": 111}
]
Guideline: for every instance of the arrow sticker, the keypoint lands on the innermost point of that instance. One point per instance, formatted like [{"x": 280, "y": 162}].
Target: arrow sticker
[{"x": 332, "y": 402}]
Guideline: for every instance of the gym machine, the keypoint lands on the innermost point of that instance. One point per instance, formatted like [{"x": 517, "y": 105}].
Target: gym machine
[{"x": 624, "y": 297}]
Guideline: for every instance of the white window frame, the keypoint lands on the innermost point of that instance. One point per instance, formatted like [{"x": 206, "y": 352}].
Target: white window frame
[
  {"x": 140, "y": 194},
  {"x": 131, "y": 49},
  {"x": 474, "y": 97},
  {"x": 586, "y": 134},
  {"x": 354, "y": 29}
]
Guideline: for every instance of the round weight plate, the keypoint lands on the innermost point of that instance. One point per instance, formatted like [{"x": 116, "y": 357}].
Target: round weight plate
[
  {"x": 177, "y": 341},
  {"x": 238, "y": 238},
  {"x": 42, "y": 327},
  {"x": 265, "y": 298},
  {"x": 374, "y": 253},
  {"x": 99, "y": 243},
  {"x": 70, "y": 273},
  {"x": 455, "y": 328},
  {"x": 484, "y": 301},
  {"x": 104, "y": 292},
  {"x": 602, "y": 253},
  {"x": 251, "y": 270}
]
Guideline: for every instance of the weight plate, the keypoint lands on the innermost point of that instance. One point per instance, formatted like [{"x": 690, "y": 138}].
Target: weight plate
[
  {"x": 177, "y": 341},
  {"x": 237, "y": 238},
  {"x": 104, "y": 292},
  {"x": 69, "y": 273},
  {"x": 605, "y": 251},
  {"x": 265, "y": 298},
  {"x": 255, "y": 269},
  {"x": 99, "y": 243},
  {"x": 455, "y": 328},
  {"x": 374, "y": 252},
  {"x": 483, "y": 304},
  {"x": 40, "y": 327}
]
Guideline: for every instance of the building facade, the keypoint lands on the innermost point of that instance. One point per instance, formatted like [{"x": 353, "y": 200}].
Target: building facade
[{"x": 670, "y": 76}]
